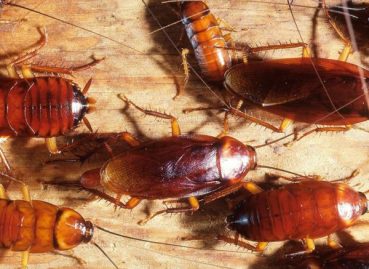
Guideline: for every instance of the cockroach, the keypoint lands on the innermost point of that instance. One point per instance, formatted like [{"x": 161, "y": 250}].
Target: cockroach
[
  {"x": 306, "y": 210},
  {"x": 42, "y": 106},
  {"x": 207, "y": 40},
  {"x": 347, "y": 257},
  {"x": 309, "y": 90},
  {"x": 180, "y": 167}
]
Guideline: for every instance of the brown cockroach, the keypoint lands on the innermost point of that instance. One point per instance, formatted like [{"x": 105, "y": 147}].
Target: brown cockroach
[
  {"x": 42, "y": 106},
  {"x": 180, "y": 167},
  {"x": 207, "y": 40},
  {"x": 305, "y": 210}
]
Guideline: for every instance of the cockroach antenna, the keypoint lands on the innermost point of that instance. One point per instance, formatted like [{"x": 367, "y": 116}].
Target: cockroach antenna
[{"x": 105, "y": 254}]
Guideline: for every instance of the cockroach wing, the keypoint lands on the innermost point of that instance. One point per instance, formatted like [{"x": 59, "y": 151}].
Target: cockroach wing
[{"x": 174, "y": 167}]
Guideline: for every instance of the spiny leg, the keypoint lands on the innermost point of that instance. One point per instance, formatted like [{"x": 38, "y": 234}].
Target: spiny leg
[
  {"x": 259, "y": 247},
  {"x": 61, "y": 70},
  {"x": 132, "y": 202},
  {"x": 193, "y": 206},
  {"x": 52, "y": 145},
  {"x": 249, "y": 186},
  {"x": 176, "y": 131},
  {"x": 3, "y": 194},
  {"x": 24, "y": 187},
  {"x": 319, "y": 129},
  {"x": 186, "y": 71},
  {"x": 28, "y": 55},
  {"x": 348, "y": 47},
  {"x": 130, "y": 139}
]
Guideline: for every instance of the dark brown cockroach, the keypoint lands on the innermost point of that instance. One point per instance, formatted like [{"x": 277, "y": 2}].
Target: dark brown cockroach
[
  {"x": 41, "y": 106},
  {"x": 347, "y": 257},
  {"x": 305, "y": 210}
]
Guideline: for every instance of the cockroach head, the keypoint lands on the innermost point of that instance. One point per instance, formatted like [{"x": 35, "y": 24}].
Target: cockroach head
[{"x": 80, "y": 105}]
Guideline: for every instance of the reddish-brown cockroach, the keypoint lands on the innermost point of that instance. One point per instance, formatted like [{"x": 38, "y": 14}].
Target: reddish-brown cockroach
[
  {"x": 173, "y": 167},
  {"x": 42, "y": 106},
  {"x": 305, "y": 210},
  {"x": 347, "y": 257},
  {"x": 207, "y": 40}
]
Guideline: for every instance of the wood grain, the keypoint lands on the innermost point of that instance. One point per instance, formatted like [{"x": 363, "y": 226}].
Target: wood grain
[{"x": 147, "y": 69}]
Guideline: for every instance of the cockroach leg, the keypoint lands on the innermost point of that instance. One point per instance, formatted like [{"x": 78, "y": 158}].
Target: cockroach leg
[
  {"x": 132, "y": 202},
  {"x": 225, "y": 130},
  {"x": 130, "y": 139},
  {"x": 310, "y": 245},
  {"x": 51, "y": 145},
  {"x": 320, "y": 129},
  {"x": 193, "y": 206},
  {"x": 28, "y": 55},
  {"x": 332, "y": 243},
  {"x": 186, "y": 71},
  {"x": 249, "y": 186},
  {"x": 108, "y": 198},
  {"x": 237, "y": 242},
  {"x": 25, "y": 259},
  {"x": 252, "y": 187},
  {"x": 3, "y": 194},
  {"x": 348, "y": 48},
  {"x": 176, "y": 131},
  {"x": 27, "y": 72},
  {"x": 223, "y": 192},
  {"x": 243, "y": 115},
  {"x": 261, "y": 246},
  {"x": 12, "y": 73},
  {"x": 2, "y": 154},
  {"x": 285, "y": 123},
  {"x": 61, "y": 70}
]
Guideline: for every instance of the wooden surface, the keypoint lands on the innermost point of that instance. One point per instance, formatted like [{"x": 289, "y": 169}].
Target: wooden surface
[{"x": 148, "y": 74}]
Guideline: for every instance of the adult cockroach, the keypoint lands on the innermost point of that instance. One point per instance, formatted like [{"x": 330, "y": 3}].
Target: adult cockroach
[
  {"x": 310, "y": 90},
  {"x": 180, "y": 167},
  {"x": 306, "y": 210},
  {"x": 42, "y": 106}
]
